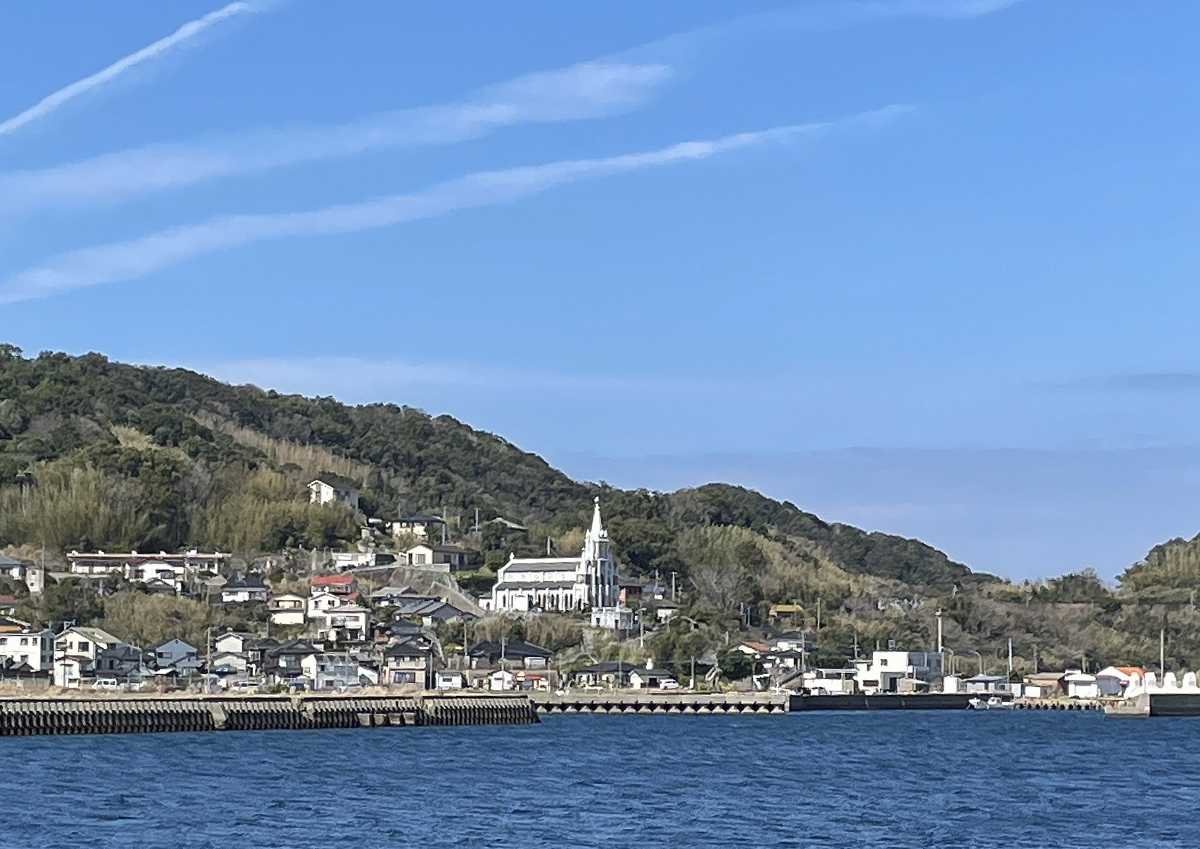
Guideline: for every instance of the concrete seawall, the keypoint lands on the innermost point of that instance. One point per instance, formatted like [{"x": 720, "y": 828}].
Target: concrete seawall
[
  {"x": 645, "y": 703},
  {"x": 23, "y": 717}
]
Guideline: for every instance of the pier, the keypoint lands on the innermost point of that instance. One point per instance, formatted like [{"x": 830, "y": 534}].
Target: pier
[
  {"x": 647, "y": 703},
  {"x": 21, "y": 717}
]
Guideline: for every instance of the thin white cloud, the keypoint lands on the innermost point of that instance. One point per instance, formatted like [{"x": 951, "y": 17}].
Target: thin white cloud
[
  {"x": 593, "y": 89},
  {"x": 181, "y": 36},
  {"x": 139, "y": 257},
  {"x": 587, "y": 90}
]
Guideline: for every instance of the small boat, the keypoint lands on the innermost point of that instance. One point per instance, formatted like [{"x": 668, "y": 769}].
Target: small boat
[{"x": 993, "y": 703}]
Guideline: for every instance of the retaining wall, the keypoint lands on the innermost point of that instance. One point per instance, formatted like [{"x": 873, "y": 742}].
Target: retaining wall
[{"x": 22, "y": 717}]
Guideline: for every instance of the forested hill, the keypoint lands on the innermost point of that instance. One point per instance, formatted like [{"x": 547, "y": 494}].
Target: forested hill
[{"x": 100, "y": 454}]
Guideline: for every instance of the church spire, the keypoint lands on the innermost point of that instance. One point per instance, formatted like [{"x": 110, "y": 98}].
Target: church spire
[{"x": 597, "y": 526}]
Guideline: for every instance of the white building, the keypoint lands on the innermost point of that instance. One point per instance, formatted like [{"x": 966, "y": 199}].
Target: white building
[
  {"x": 561, "y": 583},
  {"x": 75, "y": 653},
  {"x": 99, "y": 563},
  {"x": 33, "y": 647},
  {"x": 1080, "y": 685},
  {"x": 287, "y": 609},
  {"x": 830, "y": 682},
  {"x": 420, "y": 527},
  {"x": 897, "y": 671},
  {"x": 32, "y": 576},
  {"x": 347, "y": 623},
  {"x": 1112, "y": 680},
  {"x": 322, "y": 601},
  {"x": 330, "y": 670},
  {"x": 333, "y": 489}
]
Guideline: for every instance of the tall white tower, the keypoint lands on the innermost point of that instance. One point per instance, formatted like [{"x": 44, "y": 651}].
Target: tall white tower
[{"x": 596, "y": 563}]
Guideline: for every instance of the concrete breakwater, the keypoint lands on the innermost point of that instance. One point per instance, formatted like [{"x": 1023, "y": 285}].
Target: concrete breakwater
[
  {"x": 617, "y": 702},
  {"x": 23, "y": 717}
]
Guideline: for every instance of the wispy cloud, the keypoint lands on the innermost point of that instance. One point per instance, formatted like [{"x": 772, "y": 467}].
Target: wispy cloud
[
  {"x": 1147, "y": 381},
  {"x": 149, "y": 53},
  {"x": 587, "y": 90},
  {"x": 594, "y": 89},
  {"x": 139, "y": 257}
]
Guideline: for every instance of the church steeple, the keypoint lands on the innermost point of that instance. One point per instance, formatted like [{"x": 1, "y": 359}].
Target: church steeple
[{"x": 597, "y": 526}]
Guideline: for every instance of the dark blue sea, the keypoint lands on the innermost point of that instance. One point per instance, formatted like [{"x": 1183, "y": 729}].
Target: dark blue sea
[{"x": 820, "y": 779}]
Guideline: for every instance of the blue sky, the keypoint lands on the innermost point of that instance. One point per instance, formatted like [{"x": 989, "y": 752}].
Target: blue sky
[{"x": 923, "y": 266}]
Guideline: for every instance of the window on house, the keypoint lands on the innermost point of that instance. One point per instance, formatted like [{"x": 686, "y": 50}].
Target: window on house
[{"x": 84, "y": 645}]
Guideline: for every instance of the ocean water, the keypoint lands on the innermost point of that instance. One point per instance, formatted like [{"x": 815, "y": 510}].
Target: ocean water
[{"x": 993, "y": 779}]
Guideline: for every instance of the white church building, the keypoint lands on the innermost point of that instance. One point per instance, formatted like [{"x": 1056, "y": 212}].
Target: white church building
[{"x": 584, "y": 582}]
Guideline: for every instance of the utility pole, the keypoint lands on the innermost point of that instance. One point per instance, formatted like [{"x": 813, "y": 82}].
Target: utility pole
[
  {"x": 208, "y": 664},
  {"x": 1010, "y": 665},
  {"x": 939, "y": 630},
  {"x": 1035, "y": 658},
  {"x": 673, "y": 574},
  {"x": 1162, "y": 650}
]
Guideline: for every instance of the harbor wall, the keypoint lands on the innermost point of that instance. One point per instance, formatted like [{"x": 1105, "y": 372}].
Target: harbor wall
[
  {"x": 34, "y": 716},
  {"x": 883, "y": 701},
  {"x": 650, "y": 702}
]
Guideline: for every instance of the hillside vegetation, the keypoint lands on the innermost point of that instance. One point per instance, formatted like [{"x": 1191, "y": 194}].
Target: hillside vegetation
[{"x": 97, "y": 454}]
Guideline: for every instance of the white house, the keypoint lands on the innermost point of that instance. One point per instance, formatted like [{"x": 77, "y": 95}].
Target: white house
[
  {"x": 1080, "y": 685},
  {"x": 333, "y": 489},
  {"x": 287, "y": 609},
  {"x": 561, "y": 583},
  {"x": 32, "y": 576},
  {"x": 232, "y": 642},
  {"x": 29, "y": 646},
  {"x": 830, "y": 682},
  {"x": 75, "y": 653},
  {"x": 100, "y": 563},
  {"x": 450, "y": 557},
  {"x": 897, "y": 671},
  {"x": 1112, "y": 680},
  {"x": 329, "y": 670},
  {"x": 347, "y": 623},
  {"x": 652, "y": 679},
  {"x": 421, "y": 527},
  {"x": 321, "y": 601},
  {"x": 448, "y": 679},
  {"x": 245, "y": 589},
  {"x": 173, "y": 575}
]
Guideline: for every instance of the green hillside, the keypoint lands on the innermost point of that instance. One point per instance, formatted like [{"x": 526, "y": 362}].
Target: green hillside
[
  {"x": 96, "y": 454},
  {"x": 124, "y": 456}
]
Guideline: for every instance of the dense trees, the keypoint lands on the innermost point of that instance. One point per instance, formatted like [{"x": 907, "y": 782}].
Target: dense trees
[{"x": 183, "y": 455}]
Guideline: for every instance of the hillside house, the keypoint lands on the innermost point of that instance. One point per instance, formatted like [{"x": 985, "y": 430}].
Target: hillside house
[
  {"x": 76, "y": 651},
  {"x": 287, "y": 609},
  {"x": 245, "y": 589},
  {"x": 340, "y": 585},
  {"x": 420, "y": 527},
  {"x": 129, "y": 565},
  {"x": 321, "y": 602},
  {"x": 29, "y": 574},
  {"x": 348, "y": 623},
  {"x": 453, "y": 557},
  {"x": 333, "y": 489}
]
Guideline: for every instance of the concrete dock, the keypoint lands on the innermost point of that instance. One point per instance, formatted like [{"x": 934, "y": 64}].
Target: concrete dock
[
  {"x": 37, "y": 716},
  {"x": 646, "y": 702}
]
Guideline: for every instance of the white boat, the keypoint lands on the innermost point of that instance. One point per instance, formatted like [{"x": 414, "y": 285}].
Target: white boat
[{"x": 993, "y": 703}]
